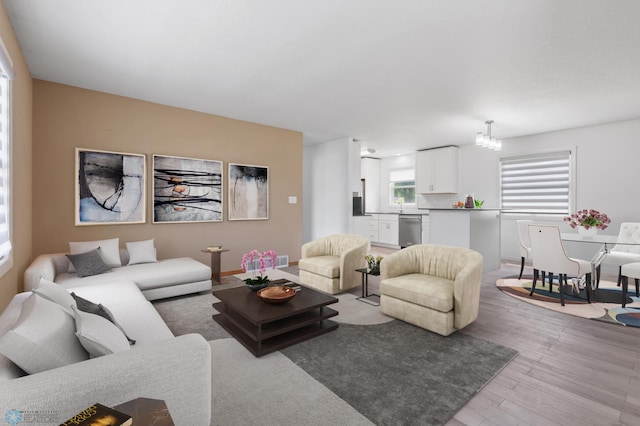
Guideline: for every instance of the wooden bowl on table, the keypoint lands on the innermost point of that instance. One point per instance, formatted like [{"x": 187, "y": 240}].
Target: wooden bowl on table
[{"x": 276, "y": 294}]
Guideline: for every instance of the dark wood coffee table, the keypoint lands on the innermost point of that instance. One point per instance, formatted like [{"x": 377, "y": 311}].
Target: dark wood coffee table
[{"x": 263, "y": 328}]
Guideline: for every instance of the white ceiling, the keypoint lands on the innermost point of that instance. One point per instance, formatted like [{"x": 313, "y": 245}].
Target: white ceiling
[{"x": 397, "y": 75}]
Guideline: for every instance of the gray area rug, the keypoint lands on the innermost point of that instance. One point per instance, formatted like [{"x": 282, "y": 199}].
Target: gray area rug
[
  {"x": 271, "y": 390},
  {"x": 399, "y": 374},
  {"x": 391, "y": 373},
  {"x": 190, "y": 314}
]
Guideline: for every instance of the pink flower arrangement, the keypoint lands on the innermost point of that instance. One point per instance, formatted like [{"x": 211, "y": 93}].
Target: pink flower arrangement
[
  {"x": 588, "y": 219},
  {"x": 265, "y": 259}
]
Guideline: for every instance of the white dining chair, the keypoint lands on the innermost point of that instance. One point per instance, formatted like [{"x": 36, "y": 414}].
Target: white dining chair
[
  {"x": 548, "y": 254},
  {"x": 629, "y": 270},
  {"x": 621, "y": 254},
  {"x": 525, "y": 244}
]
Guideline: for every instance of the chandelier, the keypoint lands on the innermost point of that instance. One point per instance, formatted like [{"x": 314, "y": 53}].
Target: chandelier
[{"x": 486, "y": 140}]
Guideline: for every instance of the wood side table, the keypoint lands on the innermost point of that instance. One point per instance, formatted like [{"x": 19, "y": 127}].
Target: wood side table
[{"x": 215, "y": 264}]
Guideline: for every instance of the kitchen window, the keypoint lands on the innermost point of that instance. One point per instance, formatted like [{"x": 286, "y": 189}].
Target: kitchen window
[
  {"x": 537, "y": 184},
  {"x": 402, "y": 187}
]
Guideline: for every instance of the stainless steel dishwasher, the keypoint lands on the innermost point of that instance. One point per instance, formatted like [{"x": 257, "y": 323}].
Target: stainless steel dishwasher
[{"x": 410, "y": 230}]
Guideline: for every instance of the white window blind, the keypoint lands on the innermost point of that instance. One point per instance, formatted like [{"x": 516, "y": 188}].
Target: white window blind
[
  {"x": 5, "y": 241},
  {"x": 402, "y": 175},
  {"x": 536, "y": 183}
]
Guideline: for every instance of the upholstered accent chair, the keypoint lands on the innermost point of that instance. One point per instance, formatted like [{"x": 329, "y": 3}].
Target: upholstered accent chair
[
  {"x": 329, "y": 264},
  {"x": 434, "y": 287}
]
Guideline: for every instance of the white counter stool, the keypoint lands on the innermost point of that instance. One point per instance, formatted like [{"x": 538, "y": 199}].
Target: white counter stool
[{"x": 630, "y": 270}]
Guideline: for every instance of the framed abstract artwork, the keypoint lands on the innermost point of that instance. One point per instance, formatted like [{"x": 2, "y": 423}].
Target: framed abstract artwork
[
  {"x": 186, "y": 190},
  {"x": 248, "y": 192},
  {"x": 110, "y": 188}
]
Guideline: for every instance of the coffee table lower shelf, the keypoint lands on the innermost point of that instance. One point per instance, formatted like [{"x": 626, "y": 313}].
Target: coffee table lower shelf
[{"x": 272, "y": 336}]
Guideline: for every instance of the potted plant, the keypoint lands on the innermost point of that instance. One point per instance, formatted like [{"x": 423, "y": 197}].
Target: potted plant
[
  {"x": 373, "y": 262},
  {"x": 265, "y": 260}
]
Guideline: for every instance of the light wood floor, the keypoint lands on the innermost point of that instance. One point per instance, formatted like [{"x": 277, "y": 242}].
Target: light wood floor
[{"x": 570, "y": 371}]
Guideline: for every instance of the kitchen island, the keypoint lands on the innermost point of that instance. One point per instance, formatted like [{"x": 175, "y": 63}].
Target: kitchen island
[{"x": 477, "y": 229}]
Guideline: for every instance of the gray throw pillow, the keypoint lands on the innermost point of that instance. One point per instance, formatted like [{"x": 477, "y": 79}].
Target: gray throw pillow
[
  {"x": 89, "y": 263},
  {"x": 88, "y": 306}
]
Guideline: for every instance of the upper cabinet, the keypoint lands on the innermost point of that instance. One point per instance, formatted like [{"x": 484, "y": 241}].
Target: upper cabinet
[{"x": 437, "y": 170}]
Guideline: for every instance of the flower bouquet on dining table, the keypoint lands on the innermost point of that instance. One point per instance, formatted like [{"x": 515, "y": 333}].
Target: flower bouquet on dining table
[{"x": 588, "y": 218}]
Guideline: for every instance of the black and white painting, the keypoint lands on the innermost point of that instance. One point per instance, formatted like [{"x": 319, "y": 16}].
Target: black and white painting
[
  {"x": 248, "y": 192},
  {"x": 110, "y": 188},
  {"x": 186, "y": 190}
]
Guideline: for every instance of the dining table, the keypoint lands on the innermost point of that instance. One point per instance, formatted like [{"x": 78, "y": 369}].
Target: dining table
[{"x": 606, "y": 243}]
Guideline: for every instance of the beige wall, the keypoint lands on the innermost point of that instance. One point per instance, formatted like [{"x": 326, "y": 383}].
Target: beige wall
[
  {"x": 66, "y": 117},
  {"x": 21, "y": 151}
]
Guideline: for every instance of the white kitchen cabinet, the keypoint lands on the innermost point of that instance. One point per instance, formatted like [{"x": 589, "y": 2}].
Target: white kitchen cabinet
[
  {"x": 361, "y": 225},
  {"x": 477, "y": 229},
  {"x": 370, "y": 172},
  {"x": 437, "y": 170},
  {"x": 425, "y": 229},
  {"x": 388, "y": 229},
  {"x": 373, "y": 228}
]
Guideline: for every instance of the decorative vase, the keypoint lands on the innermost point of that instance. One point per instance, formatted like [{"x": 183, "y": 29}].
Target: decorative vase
[
  {"x": 256, "y": 287},
  {"x": 469, "y": 204},
  {"x": 373, "y": 266},
  {"x": 591, "y": 232}
]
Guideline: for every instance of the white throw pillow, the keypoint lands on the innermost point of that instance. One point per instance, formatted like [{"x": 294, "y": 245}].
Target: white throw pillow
[
  {"x": 97, "y": 335},
  {"x": 109, "y": 250},
  {"x": 43, "y": 338},
  {"x": 56, "y": 294},
  {"x": 141, "y": 252}
]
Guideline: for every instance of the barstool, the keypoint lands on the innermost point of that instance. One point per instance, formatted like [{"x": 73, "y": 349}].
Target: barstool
[{"x": 629, "y": 270}]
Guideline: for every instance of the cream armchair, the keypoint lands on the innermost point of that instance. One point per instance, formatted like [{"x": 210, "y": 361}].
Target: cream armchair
[
  {"x": 329, "y": 264},
  {"x": 433, "y": 287}
]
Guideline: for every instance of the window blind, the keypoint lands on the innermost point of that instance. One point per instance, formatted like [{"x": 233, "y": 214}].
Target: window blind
[
  {"x": 402, "y": 175},
  {"x": 5, "y": 241},
  {"x": 536, "y": 183}
]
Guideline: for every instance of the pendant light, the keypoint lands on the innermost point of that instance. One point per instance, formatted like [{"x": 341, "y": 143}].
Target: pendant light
[{"x": 488, "y": 141}]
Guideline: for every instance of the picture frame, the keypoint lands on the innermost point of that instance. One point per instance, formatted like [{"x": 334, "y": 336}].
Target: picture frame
[
  {"x": 248, "y": 192},
  {"x": 110, "y": 187},
  {"x": 187, "y": 190}
]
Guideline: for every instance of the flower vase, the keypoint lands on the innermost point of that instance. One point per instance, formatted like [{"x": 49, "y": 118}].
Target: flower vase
[
  {"x": 256, "y": 287},
  {"x": 591, "y": 232}
]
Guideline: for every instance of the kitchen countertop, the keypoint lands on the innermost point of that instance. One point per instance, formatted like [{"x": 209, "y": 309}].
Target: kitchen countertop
[
  {"x": 407, "y": 212},
  {"x": 426, "y": 211},
  {"x": 464, "y": 209}
]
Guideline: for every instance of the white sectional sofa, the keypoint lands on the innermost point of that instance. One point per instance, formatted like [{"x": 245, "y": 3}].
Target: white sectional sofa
[
  {"x": 159, "y": 365},
  {"x": 156, "y": 279}
]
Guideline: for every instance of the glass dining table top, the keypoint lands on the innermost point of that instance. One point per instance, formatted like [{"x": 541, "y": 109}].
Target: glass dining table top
[{"x": 597, "y": 239}]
